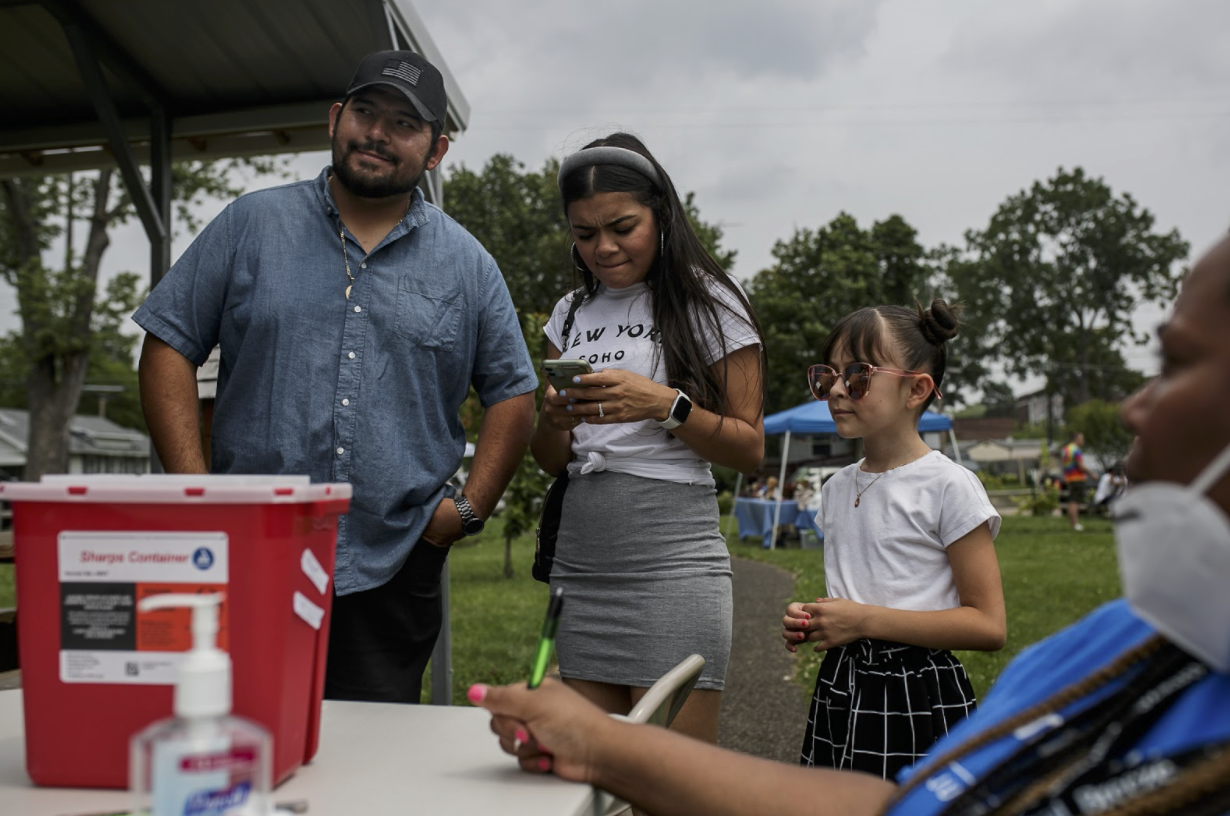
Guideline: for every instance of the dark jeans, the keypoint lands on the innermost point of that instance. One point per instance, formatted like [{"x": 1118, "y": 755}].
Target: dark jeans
[{"x": 380, "y": 640}]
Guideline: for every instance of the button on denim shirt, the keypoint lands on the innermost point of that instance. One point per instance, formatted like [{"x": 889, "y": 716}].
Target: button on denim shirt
[{"x": 364, "y": 390}]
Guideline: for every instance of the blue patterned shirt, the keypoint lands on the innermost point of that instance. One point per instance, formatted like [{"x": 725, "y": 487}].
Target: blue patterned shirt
[{"x": 365, "y": 390}]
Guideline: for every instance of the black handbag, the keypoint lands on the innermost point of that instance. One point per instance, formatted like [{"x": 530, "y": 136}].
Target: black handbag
[
  {"x": 553, "y": 502},
  {"x": 548, "y": 529}
]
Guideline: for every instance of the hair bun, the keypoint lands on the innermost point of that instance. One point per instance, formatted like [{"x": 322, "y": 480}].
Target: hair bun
[{"x": 939, "y": 323}]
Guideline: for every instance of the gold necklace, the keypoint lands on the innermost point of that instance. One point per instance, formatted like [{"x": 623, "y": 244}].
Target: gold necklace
[{"x": 858, "y": 494}]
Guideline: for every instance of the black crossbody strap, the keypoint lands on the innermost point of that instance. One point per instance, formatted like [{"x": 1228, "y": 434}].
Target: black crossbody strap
[{"x": 577, "y": 297}]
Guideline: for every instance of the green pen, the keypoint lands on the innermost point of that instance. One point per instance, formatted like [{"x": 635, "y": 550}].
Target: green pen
[{"x": 546, "y": 641}]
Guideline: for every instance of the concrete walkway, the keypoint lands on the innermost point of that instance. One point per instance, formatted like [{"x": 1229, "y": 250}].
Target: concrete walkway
[{"x": 764, "y": 711}]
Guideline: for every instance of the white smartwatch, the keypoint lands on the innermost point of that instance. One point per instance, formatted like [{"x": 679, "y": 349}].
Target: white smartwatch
[{"x": 680, "y": 408}]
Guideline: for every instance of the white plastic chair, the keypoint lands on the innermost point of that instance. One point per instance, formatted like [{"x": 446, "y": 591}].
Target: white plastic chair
[{"x": 658, "y": 707}]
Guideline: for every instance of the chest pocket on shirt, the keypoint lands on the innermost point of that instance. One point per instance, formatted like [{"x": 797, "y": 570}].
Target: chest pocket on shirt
[{"x": 427, "y": 317}]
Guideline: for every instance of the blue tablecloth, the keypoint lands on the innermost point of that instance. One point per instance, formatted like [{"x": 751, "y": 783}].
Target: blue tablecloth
[{"x": 755, "y": 517}]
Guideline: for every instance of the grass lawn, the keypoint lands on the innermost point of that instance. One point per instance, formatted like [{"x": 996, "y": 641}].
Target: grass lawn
[{"x": 1052, "y": 576}]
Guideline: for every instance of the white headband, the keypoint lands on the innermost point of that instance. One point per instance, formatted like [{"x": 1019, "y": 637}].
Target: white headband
[{"x": 610, "y": 155}]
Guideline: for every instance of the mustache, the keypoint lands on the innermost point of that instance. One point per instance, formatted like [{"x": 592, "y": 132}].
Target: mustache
[{"x": 371, "y": 147}]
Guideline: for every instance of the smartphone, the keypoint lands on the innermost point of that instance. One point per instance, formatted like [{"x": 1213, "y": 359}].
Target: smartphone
[{"x": 561, "y": 372}]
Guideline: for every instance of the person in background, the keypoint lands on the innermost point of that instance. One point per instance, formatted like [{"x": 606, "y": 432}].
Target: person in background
[
  {"x": 1125, "y": 712},
  {"x": 1111, "y": 485},
  {"x": 352, "y": 319},
  {"x": 803, "y": 494},
  {"x": 678, "y": 385},
  {"x": 1075, "y": 474},
  {"x": 909, "y": 554},
  {"x": 771, "y": 491}
]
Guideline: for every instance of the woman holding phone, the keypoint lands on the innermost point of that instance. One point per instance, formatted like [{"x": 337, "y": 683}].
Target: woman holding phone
[{"x": 677, "y": 384}]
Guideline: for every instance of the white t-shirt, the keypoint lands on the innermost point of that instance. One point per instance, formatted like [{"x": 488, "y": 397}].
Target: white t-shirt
[
  {"x": 615, "y": 329},
  {"x": 891, "y": 550}
]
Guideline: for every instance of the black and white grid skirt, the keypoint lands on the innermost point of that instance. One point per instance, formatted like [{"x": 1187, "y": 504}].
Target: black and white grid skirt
[{"x": 880, "y": 706}]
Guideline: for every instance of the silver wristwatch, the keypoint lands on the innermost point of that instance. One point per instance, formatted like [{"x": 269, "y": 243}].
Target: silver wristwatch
[
  {"x": 471, "y": 524},
  {"x": 680, "y": 408}
]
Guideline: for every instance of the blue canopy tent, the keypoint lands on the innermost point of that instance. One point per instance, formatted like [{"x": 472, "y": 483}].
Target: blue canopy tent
[{"x": 813, "y": 417}]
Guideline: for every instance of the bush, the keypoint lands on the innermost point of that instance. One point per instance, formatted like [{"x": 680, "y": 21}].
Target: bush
[
  {"x": 998, "y": 481},
  {"x": 1043, "y": 502},
  {"x": 726, "y": 501}
]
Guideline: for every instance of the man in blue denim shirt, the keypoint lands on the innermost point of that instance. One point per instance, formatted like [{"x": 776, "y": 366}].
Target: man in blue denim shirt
[{"x": 352, "y": 319}]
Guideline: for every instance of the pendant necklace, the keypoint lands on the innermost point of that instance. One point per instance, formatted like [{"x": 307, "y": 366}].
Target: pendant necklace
[
  {"x": 858, "y": 493},
  {"x": 341, "y": 231}
]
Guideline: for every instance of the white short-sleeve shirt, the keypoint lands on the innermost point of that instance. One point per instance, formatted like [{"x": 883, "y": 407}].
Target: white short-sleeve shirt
[
  {"x": 891, "y": 550},
  {"x": 614, "y": 329}
]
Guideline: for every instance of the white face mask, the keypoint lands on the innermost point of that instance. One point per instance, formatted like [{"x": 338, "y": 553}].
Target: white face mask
[{"x": 1174, "y": 555}]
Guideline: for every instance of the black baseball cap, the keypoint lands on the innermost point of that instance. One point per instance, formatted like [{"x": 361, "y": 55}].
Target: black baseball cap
[{"x": 409, "y": 73}]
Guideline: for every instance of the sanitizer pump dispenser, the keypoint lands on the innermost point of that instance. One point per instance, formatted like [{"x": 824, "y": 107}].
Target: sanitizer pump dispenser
[{"x": 202, "y": 761}]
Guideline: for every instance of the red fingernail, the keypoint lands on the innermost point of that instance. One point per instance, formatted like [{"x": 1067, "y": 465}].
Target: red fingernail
[
  {"x": 521, "y": 735},
  {"x": 544, "y": 764},
  {"x": 477, "y": 693}
]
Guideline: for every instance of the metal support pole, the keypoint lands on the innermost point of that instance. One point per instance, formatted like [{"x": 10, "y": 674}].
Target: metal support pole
[
  {"x": 160, "y": 192},
  {"x": 442, "y": 655}
]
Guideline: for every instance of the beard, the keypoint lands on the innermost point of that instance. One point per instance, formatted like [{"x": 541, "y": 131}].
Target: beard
[{"x": 400, "y": 178}]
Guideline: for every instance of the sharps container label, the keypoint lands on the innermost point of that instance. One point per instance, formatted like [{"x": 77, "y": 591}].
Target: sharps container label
[{"x": 103, "y": 639}]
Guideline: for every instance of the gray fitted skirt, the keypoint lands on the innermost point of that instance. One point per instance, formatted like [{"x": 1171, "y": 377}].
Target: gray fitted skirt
[{"x": 646, "y": 579}]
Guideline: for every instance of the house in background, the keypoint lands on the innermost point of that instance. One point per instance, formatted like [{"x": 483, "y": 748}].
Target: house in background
[
  {"x": 95, "y": 445},
  {"x": 1031, "y": 408}
]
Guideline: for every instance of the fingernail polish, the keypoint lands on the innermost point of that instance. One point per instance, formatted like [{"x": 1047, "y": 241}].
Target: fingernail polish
[
  {"x": 477, "y": 693},
  {"x": 563, "y": 393},
  {"x": 521, "y": 735},
  {"x": 544, "y": 764},
  {"x": 568, "y": 408},
  {"x": 577, "y": 379}
]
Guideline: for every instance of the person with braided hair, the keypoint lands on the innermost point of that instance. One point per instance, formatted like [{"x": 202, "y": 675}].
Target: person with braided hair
[
  {"x": 909, "y": 554},
  {"x": 1125, "y": 713}
]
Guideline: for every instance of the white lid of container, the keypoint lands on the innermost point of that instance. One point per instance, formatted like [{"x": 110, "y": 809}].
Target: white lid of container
[{"x": 178, "y": 488}]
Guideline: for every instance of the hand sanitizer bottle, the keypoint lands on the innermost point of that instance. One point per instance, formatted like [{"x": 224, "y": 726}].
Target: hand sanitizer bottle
[{"x": 202, "y": 761}]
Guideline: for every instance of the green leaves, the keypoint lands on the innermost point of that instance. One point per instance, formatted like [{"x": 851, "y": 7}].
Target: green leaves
[
  {"x": 820, "y": 276},
  {"x": 1052, "y": 282}
]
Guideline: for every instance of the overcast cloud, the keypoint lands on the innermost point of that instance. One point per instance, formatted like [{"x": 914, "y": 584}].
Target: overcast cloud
[{"x": 781, "y": 113}]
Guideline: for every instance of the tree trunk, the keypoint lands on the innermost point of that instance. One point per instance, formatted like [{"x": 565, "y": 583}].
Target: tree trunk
[
  {"x": 58, "y": 370},
  {"x": 52, "y": 397}
]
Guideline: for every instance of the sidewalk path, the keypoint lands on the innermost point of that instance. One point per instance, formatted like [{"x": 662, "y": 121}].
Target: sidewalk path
[{"x": 764, "y": 710}]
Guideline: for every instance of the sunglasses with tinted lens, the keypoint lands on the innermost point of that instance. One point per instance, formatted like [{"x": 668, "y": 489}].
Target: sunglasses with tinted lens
[{"x": 856, "y": 377}]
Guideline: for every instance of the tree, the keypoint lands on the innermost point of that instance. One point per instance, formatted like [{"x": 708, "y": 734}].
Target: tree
[
  {"x": 110, "y": 358},
  {"x": 1052, "y": 282},
  {"x": 820, "y": 276},
  {"x": 1105, "y": 435},
  {"x": 56, "y": 300},
  {"x": 998, "y": 399}
]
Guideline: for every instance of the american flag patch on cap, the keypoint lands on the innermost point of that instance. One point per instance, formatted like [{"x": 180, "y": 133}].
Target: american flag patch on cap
[{"x": 403, "y": 71}]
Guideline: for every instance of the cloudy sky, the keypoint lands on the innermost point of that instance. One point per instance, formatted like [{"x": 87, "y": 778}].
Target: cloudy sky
[{"x": 781, "y": 113}]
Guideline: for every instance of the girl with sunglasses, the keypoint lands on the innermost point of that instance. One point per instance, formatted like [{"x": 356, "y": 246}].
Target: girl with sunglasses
[{"x": 909, "y": 559}]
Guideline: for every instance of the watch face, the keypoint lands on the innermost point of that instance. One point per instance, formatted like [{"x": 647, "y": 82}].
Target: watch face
[
  {"x": 473, "y": 526},
  {"x": 682, "y": 407}
]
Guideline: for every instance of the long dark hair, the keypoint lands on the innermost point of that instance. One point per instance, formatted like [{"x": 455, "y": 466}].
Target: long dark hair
[{"x": 683, "y": 306}]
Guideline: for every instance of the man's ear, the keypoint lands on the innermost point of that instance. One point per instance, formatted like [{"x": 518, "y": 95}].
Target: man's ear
[
  {"x": 334, "y": 112},
  {"x": 437, "y": 152}
]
